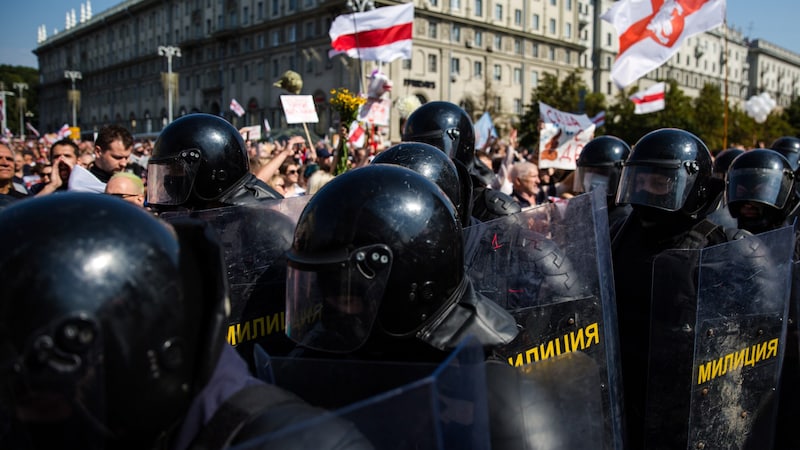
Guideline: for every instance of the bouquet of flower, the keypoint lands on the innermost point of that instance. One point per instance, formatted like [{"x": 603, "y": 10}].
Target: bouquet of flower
[{"x": 346, "y": 104}]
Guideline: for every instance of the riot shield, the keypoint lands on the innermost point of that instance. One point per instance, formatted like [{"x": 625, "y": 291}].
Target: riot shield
[
  {"x": 716, "y": 344},
  {"x": 255, "y": 238},
  {"x": 550, "y": 266},
  {"x": 393, "y": 405},
  {"x": 786, "y": 435}
]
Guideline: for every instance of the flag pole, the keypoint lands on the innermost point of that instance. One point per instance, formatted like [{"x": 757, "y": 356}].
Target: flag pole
[{"x": 727, "y": 107}]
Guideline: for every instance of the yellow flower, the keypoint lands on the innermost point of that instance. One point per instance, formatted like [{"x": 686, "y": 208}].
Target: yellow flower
[{"x": 346, "y": 104}]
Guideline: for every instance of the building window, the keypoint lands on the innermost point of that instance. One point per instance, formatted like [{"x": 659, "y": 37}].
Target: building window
[
  {"x": 261, "y": 43},
  {"x": 455, "y": 35},
  {"x": 246, "y": 73},
  {"x": 608, "y": 39},
  {"x": 517, "y": 75},
  {"x": 552, "y": 27},
  {"x": 569, "y": 5},
  {"x": 535, "y": 22},
  {"x": 568, "y": 30},
  {"x": 233, "y": 75},
  {"x": 535, "y": 50},
  {"x": 518, "y": 17},
  {"x": 553, "y": 2},
  {"x": 479, "y": 39},
  {"x": 245, "y": 15},
  {"x": 608, "y": 88},
  {"x": 455, "y": 4},
  {"x": 498, "y": 11},
  {"x": 534, "y": 79},
  {"x": 406, "y": 64},
  {"x": 518, "y": 46},
  {"x": 260, "y": 10},
  {"x": 498, "y": 42},
  {"x": 517, "y": 106},
  {"x": 498, "y": 103},
  {"x": 608, "y": 62},
  {"x": 276, "y": 38},
  {"x": 477, "y": 69},
  {"x": 498, "y": 72},
  {"x": 568, "y": 57},
  {"x": 432, "y": 30},
  {"x": 455, "y": 66},
  {"x": 292, "y": 32},
  {"x": 479, "y": 8},
  {"x": 275, "y": 7},
  {"x": 552, "y": 53},
  {"x": 432, "y": 63}
]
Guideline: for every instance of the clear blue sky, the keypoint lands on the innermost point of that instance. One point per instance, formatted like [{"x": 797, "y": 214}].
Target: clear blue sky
[{"x": 773, "y": 20}]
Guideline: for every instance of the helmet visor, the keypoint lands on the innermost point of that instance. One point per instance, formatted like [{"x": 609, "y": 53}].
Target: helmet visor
[
  {"x": 664, "y": 186},
  {"x": 758, "y": 185},
  {"x": 332, "y": 302},
  {"x": 169, "y": 182},
  {"x": 590, "y": 178}
]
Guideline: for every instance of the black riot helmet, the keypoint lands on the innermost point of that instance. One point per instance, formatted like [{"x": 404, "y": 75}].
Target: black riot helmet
[
  {"x": 789, "y": 147},
  {"x": 719, "y": 168},
  {"x": 110, "y": 324},
  {"x": 196, "y": 159},
  {"x": 668, "y": 170},
  {"x": 434, "y": 165},
  {"x": 600, "y": 164},
  {"x": 760, "y": 190},
  {"x": 447, "y": 127},
  {"x": 378, "y": 255}
]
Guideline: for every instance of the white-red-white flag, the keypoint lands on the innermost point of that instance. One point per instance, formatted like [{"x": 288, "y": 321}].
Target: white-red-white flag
[
  {"x": 651, "y": 31},
  {"x": 32, "y": 129},
  {"x": 650, "y": 99},
  {"x": 357, "y": 136},
  {"x": 237, "y": 108},
  {"x": 64, "y": 131},
  {"x": 382, "y": 34}
]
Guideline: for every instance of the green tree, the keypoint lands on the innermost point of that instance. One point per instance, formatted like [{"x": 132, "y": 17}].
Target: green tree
[
  {"x": 709, "y": 116},
  {"x": 9, "y": 75},
  {"x": 792, "y": 116},
  {"x": 563, "y": 95}
]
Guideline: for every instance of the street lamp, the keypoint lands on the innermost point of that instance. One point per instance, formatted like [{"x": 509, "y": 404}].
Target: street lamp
[
  {"x": 74, "y": 95},
  {"x": 21, "y": 103},
  {"x": 169, "y": 52},
  {"x": 3, "y": 93}
]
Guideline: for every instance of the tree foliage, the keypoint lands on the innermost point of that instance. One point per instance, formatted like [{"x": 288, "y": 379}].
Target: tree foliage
[
  {"x": 570, "y": 95},
  {"x": 20, "y": 74},
  {"x": 703, "y": 116}
]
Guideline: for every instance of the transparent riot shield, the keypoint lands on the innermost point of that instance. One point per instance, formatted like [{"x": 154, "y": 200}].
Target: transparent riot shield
[
  {"x": 255, "y": 239},
  {"x": 716, "y": 344},
  {"x": 550, "y": 266},
  {"x": 393, "y": 405}
]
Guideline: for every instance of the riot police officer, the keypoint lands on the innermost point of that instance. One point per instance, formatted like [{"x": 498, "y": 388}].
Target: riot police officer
[
  {"x": 600, "y": 164},
  {"x": 448, "y": 127},
  {"x": 661, "y": 295},
  {"x": 378, "y": 252},
  {"x": 761, "y": 195},
  {"x": 199, "y": 161},
  {"x": 760, "y": 190},
  {"x": 719, "y": 170},
  {"x": 114, "y": 335}
]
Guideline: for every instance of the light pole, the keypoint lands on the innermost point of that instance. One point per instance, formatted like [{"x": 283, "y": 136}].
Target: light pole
[
  {"x": 360, "y": 6},
  {"x": 21, "y": 103},
  {"x": 74, "y": 95},
  {"x": 169, "y": 52},
  {"x": 3, "y": 93}
]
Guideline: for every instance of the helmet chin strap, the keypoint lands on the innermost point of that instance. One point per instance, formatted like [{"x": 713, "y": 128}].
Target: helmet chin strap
[{"x": 469, "y": 313}]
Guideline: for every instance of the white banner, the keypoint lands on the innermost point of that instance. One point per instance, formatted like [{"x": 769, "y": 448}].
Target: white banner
[
  {"x": 299, "y": 109},
  {"x": 562, "y": 136}
]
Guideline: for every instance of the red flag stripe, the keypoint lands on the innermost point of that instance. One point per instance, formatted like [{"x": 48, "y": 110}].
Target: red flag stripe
[
  {"x": 374, "y": 38},
  {"x": 648, "y": 98}
]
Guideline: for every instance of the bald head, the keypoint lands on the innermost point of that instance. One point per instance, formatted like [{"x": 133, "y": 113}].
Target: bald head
[{"x": 127, "y": 186}]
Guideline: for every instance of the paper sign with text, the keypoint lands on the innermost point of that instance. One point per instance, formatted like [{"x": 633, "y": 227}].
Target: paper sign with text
[
  {"x": 561, "y": 137},
  {"x": 299, "y": 109}
]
